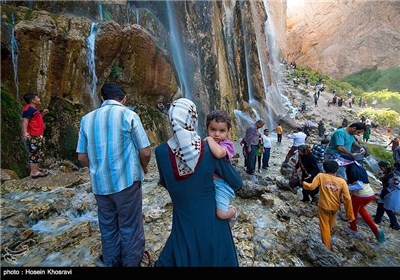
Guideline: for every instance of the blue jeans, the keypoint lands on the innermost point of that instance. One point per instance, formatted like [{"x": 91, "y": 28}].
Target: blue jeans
[
  {"x": 265, "y": 159},
  {"x": 251, "y": 160},
  {"x": 121, "y": 227}
]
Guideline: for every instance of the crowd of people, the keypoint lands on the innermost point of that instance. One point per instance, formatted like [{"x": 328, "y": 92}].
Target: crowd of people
[{"x": 201, "y": 181}]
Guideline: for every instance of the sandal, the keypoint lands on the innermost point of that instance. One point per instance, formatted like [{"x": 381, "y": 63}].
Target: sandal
[
  {"x": 146, "y": 260},
  {"x": 40, "y": 174}
]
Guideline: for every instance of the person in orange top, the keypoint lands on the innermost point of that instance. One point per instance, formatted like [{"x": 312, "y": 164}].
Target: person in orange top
[{"x": 331, "y": 189}]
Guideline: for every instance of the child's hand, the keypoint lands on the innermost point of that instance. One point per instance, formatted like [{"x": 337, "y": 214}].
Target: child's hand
[{"x": 45, "y": 111}]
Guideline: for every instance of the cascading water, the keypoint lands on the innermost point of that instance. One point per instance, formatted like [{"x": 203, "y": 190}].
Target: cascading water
[
  {"x": 177, "y": 51},
  {"x": 14, "y": 55},
  {"x": 90, "y": 41},
  {"x": 91, "y": 45},
  {"x": 275, "y": 66}
]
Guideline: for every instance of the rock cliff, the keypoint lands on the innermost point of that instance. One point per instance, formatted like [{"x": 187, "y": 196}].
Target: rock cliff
[{"x": 339, "y": 38}]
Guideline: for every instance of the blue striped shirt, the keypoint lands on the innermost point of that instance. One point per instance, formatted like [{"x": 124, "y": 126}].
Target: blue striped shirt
[{"x": 112, "y": 136}]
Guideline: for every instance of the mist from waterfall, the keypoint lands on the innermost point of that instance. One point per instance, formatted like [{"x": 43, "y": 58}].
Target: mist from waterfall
[{"x": 14, "y": 55}]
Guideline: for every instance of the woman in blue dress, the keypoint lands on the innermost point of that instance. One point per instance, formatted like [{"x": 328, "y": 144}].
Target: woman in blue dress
[{"x": 186, "y": 167}]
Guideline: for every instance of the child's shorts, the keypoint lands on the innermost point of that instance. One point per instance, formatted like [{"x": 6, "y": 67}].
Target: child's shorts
[{"x": 35, "y": 145}]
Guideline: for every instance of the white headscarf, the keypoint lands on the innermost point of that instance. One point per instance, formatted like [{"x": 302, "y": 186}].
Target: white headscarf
[{"x": 185, "y": 143}]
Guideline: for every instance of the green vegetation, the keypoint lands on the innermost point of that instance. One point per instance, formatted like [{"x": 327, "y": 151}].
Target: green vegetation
[
  {"x": 106, "y": 13},
  {"x": 376, "y": 79},
  {"x": 380, "y": 102},
  {"x": 68, "y": 140},
  {"x": 116, "y": 71},
  {"x": 14, "y": 152},
  {"x": 380, "y": 152},
  {"x": 383, "y": 117},
  {"x": 383, "y": 99}
]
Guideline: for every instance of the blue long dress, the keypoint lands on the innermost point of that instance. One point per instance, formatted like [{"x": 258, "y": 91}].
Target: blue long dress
[{"x": 198, "y": 237}]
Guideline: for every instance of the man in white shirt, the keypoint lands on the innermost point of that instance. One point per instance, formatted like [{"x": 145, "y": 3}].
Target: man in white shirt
[
  {"x": 267, "y": 149},
  {"x": 299, "y": 138}
]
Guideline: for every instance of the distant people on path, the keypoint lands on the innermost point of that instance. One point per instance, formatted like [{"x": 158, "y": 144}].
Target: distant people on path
[
  {"x": 345, "y": 122},
  {"x": 218, "y": 125},
  {"x": 367, "y": 134},
  {"x": 340, "y": 102},
  {"x": 334, "y": 99},
  {"x": 388, "y": 131},
  {"x": 186, "y": 167},
  {"x": 308, "y": 165},
  {"x": 267, "y": 149},
  {"x": 332, "y": 190},
  {"x": 279, "y": 132},
  {"x": 389, "y": 197},
  {"x": 307, "y": 127},
  {"x": 315, "y": 99},
  {"x": 117, "y": 153},
  {"x": 303, "y": 107},
  {"x": 368, "y": 122},
  {"x": 32, "y": 132},
  {"x": 341, "y": 142},
  {"x": 395, "y": 143},
  {"x": 251, "y": 139},
  {"x": 318, "y": 151},
  {"x": 299, "y": 138}
]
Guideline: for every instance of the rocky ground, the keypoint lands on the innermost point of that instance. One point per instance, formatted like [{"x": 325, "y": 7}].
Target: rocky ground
[{"x": 52, "y": 221}]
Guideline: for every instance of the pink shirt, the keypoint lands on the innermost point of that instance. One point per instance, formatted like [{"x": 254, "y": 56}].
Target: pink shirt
[{"x": 228, "y": 146}]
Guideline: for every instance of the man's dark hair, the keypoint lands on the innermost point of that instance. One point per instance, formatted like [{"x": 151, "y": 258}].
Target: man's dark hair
[
  {"x": 112, "y": 91},
  {"x": 359, "y": 125},
  {"x": 219, "y": 116},
  {"x": 28, "y": 97},
  {"x": 330, "y": 166}
]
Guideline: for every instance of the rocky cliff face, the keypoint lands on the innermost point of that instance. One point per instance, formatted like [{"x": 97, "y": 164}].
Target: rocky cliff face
[{"x": 339, "y": 38}]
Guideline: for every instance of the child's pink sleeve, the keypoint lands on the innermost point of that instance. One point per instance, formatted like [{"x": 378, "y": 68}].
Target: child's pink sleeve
[{"x": 229, "y": 147}]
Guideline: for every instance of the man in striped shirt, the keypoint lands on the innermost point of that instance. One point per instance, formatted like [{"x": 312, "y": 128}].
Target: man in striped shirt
[{"x": 113, "y": 144}]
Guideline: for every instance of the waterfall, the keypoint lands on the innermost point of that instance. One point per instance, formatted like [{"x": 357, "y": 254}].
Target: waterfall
[
  {"x": 246, "y": 43},
  {"x": 177, "y": 51},
  {"x": 91, "y": 42},
  {"x": 274, "y": 63},
  {"x": 14, "y": 55},
  {"x": 100, "y": 8},
  {"x": 229, "y": 36}
]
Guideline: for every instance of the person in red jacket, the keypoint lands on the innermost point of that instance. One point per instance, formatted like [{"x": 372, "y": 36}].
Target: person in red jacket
[{"x": 32, "y": 132}]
